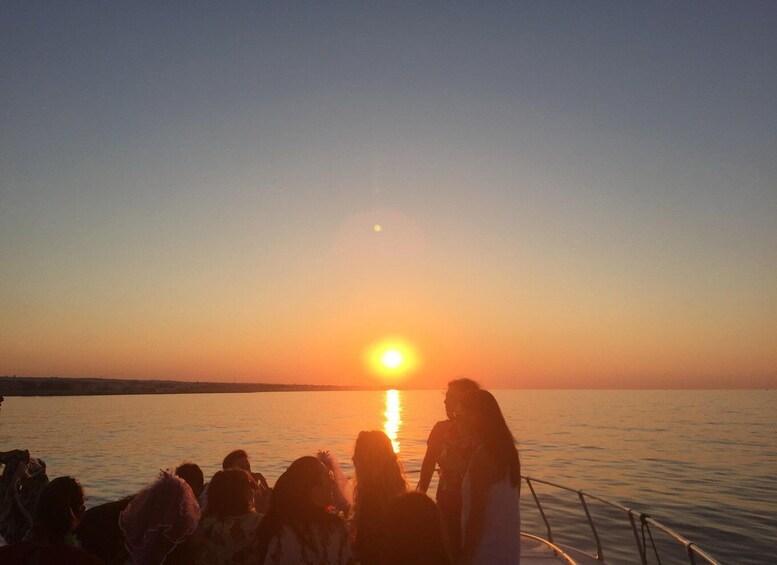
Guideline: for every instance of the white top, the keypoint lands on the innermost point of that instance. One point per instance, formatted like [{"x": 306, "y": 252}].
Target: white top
[{"x": 500, "y": 542}]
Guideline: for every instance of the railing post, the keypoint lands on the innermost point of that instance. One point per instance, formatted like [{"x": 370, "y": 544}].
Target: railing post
[
  {"x": 691, "y": 555},
  {"x": 692, "y": 549},
  {"x": 599, "y": 553},
  {"x": 539, "y": 507},
  {"x": 640, "y": 548}
]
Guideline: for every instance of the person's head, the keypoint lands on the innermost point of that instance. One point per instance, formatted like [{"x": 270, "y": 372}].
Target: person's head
[
  {"x": 192, "y": 474},
  {"x": 482, "y": 418},
  {"x": 379, "y": 475},
  {"x": 414, "y": 531},
  {"x": 298, "y": 501},
  {"x": 458, "y": 389},
  {"x": 158, "y": 518},
  {"x": 306, "y": 484},
  {"x": 99, "y": 531},
  {"x": 373, "y": 455},
  {"x": 61, "y": 507},
  {"x": 230, "y": 493},
  {"x": 237, "y": 459},
  {"x": 480, "y": 415}
]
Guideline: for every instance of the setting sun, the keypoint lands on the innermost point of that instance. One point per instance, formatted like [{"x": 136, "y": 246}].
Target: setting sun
[{"x": 391, "y": 359}]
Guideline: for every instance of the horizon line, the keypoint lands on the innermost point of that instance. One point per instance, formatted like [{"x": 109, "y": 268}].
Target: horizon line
[{"x": 366, "y": 387}]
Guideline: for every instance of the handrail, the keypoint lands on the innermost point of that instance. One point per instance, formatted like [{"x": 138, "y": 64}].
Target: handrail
[
  {"x": 691, "y": 548},
  {"x": 556, "y": 549}
]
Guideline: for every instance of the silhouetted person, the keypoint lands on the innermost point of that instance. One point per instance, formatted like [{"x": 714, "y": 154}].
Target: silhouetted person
[
  {"x": 298, "y": 528},
  {"x": 192, "y": 474},
  {"x": 491, "y": 519},
  {"x": 21, "y": 484},
  {"x": 238, "y": 459},
  {"x": 51, "y": 540},
  {"x": 158, "y": 522},
  {"x": 414, "y": 532},
  {"x": 228, "y": 529},
  {"x": 379, "y": 479},
  {"x": 99, "y": 532},
  {"x": 449, "y": 448}
]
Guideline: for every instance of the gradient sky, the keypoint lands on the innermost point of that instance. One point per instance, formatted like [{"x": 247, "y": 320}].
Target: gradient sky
[{"x": 571, "y": 194}]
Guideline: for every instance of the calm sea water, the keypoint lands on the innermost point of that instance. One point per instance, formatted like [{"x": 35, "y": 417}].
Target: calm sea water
[{"x": 701, "y": 462}]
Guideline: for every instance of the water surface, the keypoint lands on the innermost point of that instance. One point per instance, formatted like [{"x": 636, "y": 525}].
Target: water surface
[{"x": 702, "y": 462}]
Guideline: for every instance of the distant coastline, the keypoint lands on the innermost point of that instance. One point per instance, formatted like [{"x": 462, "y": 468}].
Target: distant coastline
[
  {"x": 101, "y": 386},
  {"x": 60, "y": 386}
]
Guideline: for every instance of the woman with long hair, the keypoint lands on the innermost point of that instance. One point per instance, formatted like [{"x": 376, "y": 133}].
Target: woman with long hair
[
  {"x": 227, "y": 532},
  {"x": 379, "y": 480},
  {"x": 491, "y": 519},
  {"x": 298, "y": 529}
]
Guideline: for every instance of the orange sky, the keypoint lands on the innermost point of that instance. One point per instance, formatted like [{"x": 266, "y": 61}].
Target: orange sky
[{"x": 562, "y": 203}]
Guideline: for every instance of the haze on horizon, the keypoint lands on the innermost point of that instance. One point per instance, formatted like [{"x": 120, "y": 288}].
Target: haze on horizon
[{"x": 533, "y": 194}]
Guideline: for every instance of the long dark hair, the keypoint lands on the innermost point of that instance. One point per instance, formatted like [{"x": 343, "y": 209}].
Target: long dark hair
[
  {"x": 414, "y": 532},
  {"x": 379, "y": 475},
  {"x": 291, "y": 505},
  {"x": 230, "y": 493},
  {"x": 60, "y": 508},
  {"x": 495, "y": 437},
  {"x": 379, "y": 479}
]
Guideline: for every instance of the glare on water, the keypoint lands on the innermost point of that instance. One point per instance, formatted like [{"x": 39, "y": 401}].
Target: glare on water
[{"x": 393, "y": 416}]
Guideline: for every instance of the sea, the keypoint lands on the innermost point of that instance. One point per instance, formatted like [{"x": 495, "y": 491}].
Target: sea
[{"x": 702, "y": 463}]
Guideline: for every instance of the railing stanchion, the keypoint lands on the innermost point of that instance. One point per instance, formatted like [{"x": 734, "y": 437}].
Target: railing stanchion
[
  {"x": 599, "y": 553},
  {"x": 640, "y": 547},
  {"x": 691, "y": 556},
  {"x": 691, "y": 548},
  {"x": 539, "y": 507}
]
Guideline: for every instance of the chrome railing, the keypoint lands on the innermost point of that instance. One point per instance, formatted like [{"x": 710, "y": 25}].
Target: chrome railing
[{"x": 646, "y": 522}]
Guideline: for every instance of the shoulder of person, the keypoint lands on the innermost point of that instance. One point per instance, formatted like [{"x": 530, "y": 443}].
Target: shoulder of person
[{"x": 441, "y": 428}]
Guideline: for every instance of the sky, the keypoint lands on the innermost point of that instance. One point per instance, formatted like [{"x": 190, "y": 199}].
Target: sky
[{"x": 535, "y": 194}]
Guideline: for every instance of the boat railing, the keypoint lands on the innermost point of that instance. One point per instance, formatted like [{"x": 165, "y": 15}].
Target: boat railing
[
  {"x": 558, "y": 552},
  {"x": 635, "y": 517}
]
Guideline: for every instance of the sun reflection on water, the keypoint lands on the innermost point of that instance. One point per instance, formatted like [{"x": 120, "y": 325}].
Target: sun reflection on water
[{"x": 393, "y": 417}]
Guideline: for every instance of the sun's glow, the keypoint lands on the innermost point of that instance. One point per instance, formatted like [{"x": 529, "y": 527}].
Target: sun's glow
[
  {"x": 393, "y": 416},
  {"x": 392, "y": 359}
]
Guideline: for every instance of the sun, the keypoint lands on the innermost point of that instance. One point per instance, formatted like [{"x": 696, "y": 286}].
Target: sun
[{"x": 391, "y": 359}]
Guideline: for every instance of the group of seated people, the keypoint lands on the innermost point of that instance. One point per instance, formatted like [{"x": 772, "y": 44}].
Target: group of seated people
[{"x": 310, "y": 516}]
